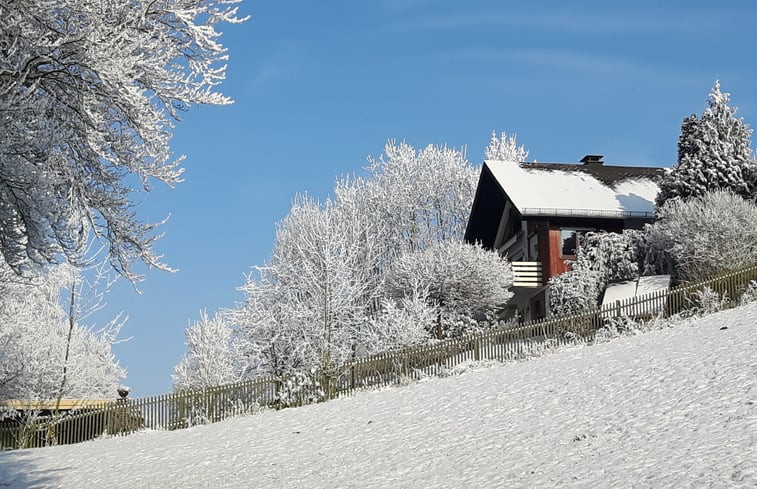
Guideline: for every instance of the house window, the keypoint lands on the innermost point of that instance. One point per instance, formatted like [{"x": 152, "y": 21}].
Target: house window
[
  {"x": 533, "y": 247},
  {"x": 570, "y": 241}
]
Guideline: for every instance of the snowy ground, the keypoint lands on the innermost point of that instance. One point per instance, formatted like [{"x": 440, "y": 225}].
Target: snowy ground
[{"x": 671, "y": 408}]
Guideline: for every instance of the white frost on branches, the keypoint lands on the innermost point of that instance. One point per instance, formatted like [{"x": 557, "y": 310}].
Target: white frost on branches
[
  {"x": 612, "y": 255},
  {"x": 33, "y": 334},
  {"x": 213, "y": 358},
  {"x": 420, "y": 197},
  {"x": 602, "y": 258},
  {"x": 713, "y": 153},
  {"x": 321, "y": 300},
  {"x": 574, "y": 292},
  {"x": 89, "y": 91},
  {"x": 707, "y": 235},
  {"x": 505, "y": 148},
  {"x": 462, "y": 280}
]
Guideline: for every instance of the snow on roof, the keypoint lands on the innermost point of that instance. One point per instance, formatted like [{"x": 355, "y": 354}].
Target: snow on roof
[{"x": 573, "y": 190}]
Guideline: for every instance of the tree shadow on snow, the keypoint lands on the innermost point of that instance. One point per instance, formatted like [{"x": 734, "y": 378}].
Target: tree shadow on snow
[{"x": 18, "y": 470}]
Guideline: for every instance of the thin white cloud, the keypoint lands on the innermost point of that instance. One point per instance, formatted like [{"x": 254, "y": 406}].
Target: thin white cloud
[
  {"x": 618, "y": 22},
  {"x": 563, "y": 60},
  {"x": 282, "y": 62}
]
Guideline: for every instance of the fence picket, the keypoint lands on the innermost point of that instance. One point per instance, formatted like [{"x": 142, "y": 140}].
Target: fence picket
[{"x": 183, "y": 408}]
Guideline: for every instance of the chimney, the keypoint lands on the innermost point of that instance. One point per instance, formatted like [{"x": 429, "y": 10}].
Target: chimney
[{"x": 592, "y": 160}]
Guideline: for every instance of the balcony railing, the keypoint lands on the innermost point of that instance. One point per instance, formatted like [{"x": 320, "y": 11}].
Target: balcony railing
[{"x": 527, "y": 274}]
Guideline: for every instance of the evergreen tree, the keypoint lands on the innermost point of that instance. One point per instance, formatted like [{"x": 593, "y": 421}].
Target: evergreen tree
[{"x": 713, "y": 153}]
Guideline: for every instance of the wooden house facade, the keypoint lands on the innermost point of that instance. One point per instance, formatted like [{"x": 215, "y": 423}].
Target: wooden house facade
[{"x": 536, "y": 213}]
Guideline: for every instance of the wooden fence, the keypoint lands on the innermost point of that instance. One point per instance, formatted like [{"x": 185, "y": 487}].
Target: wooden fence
[{"x": 185, "y": 408}]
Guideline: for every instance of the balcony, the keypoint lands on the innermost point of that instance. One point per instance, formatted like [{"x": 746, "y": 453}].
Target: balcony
[{"x": 527, "y": 274}]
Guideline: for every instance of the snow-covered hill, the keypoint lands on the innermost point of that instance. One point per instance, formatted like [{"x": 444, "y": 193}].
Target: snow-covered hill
[{"x": 671, "y": 408}]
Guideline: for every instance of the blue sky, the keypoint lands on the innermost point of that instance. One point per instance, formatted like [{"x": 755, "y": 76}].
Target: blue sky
[{"x": 321, "y": 85}]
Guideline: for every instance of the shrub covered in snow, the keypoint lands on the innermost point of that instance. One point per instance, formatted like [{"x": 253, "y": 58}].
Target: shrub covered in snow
[
  {"x": 750, "y": 294},
  {"x": 299, "y": 389},
  {"x": 707, "y": 235},
  {"x": 400, "y": 322},
  {"x": 708, "y": 301},
  {"x": 574, "y": 292}
]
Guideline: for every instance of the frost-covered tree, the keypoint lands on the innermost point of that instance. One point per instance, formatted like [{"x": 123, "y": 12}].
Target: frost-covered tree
[
  {"x": 713, "y": 153},
  {"x": 321, "y": 299},
  {"x": 34, "y": 334},
  {"x": 461, "y": 279},
  {"x": 505, "y": 148},
  {"x": 707, "y": 235},
  {"x": 420, "y": 197},
  {"x": 214, "y": 355},
  {"x": 309, "y": 304},
  {"x": 89, "y": 92},
  {"x": 271, "y": 343}
]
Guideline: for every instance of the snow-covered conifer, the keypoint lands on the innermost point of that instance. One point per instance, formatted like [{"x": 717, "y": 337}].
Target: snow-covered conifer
[{"x": 713, "y": 153}]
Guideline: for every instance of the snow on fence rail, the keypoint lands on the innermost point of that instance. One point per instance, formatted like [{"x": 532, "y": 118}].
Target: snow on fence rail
[{"x": 185, "y": 408}]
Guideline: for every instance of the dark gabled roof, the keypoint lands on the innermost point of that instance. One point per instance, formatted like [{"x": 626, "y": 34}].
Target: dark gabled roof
[
  {"x": 608, "y": 175},
  {"x": 590, "y": 190}
]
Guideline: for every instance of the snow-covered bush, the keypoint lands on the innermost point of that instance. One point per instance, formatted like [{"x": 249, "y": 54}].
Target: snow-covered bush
[
  {"x": 464, "y": 281},
  {"x": 707, "y": 235},
  {"x": 615, "y": 327},
  {"x": 750, "y": 294},
  {"x": 708, "y": 301},
  {"x": 214, "y": 356},
  {"x": 299, "y": 389},
  {"x": 653, "y": 251},
  {"x": 400, "y": 322},
  {"x": 574, "y": 292},
  {"x": 713, "y": 153},
  {"x": 602, "y": 257}
]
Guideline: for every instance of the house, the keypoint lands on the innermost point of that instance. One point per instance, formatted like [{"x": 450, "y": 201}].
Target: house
[{"x": 536, "y": 213}]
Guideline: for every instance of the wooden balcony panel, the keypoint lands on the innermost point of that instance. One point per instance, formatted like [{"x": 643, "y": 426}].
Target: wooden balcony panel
[{"x": 527, "y": 274}]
